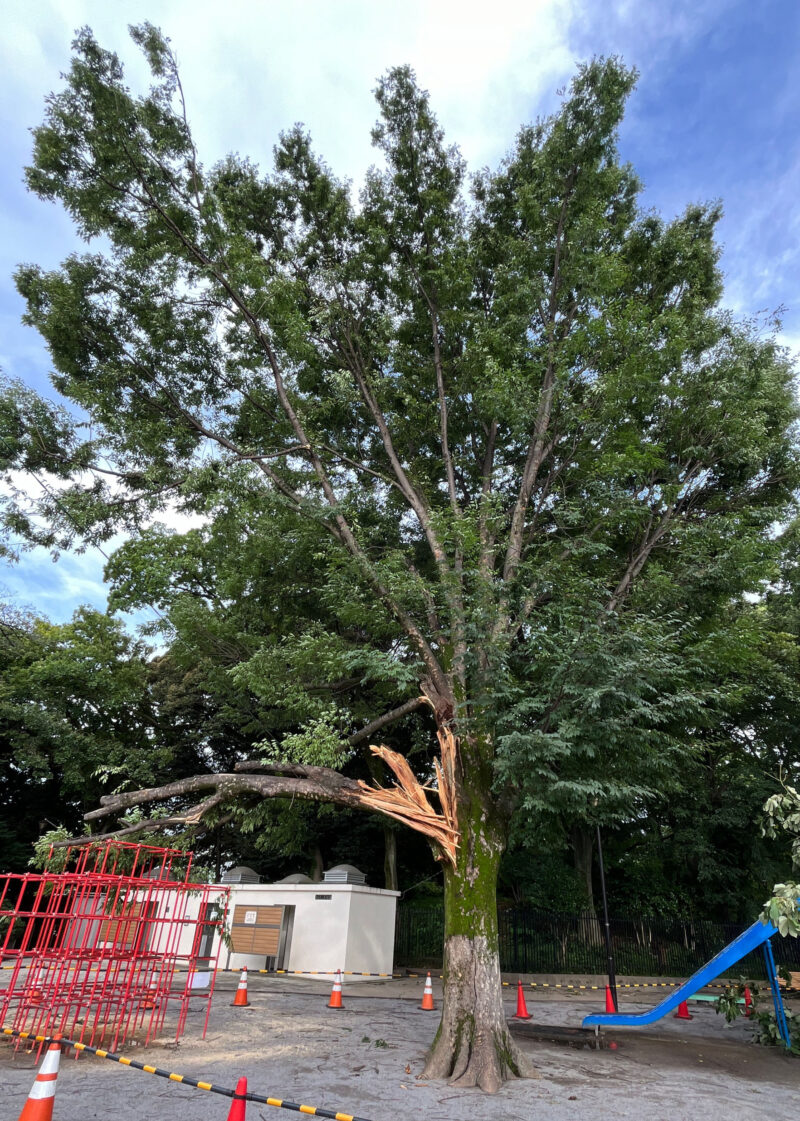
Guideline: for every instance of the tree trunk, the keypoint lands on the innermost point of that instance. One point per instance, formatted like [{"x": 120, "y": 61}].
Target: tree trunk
[
  {"x": 317, "y": 866},
  {"x": 583, "y": 852},
  {"x": 389, "y": 858},
  {"x": 473, "y": 1046},
  {"x": 217, "y": 855}
]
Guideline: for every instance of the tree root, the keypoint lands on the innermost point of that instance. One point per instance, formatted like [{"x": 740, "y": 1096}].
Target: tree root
[{"x": 468, "y": 1058}]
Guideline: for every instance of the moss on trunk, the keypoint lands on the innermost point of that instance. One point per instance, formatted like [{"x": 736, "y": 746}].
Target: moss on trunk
[{"x": 473, "y": 1046}]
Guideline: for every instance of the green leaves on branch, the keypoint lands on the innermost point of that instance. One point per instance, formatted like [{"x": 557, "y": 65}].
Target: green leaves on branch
[
  {"x": 782, "y": 816},
  {"x": 319, "y": 742},
  {"x": 782, "y": 909}
]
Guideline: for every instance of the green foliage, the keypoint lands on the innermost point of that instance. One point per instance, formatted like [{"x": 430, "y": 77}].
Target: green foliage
[
  {"x": 782, "y": 815},
  {"x": 319, "y": 742},
  {"x": 782, "y": 909},
  {"x": 74, "y": 707},
  {"x": 768, "y": 1034},
  {"x": 731, "y": 1001},
  {"x": 541, "y": 876},
  {"x": 55, "y": 861}
]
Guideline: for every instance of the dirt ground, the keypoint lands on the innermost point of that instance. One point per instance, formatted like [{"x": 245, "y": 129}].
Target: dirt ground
[{"x": 366, "y": 1059}]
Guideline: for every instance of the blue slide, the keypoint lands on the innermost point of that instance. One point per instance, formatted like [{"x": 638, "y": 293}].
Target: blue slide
[{"x": 756, "y": 935}]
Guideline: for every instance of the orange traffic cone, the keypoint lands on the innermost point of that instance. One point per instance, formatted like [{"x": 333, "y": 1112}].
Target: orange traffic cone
[
  {"x": 39, "y": 1106},
  {"x": 240, "y": 1000},
  {"x": 748, "y": 1001},
  {"x": 683, "y": 1012},
  {"x": 427, "y": 996},
  {"x": 610, "y": 1005},
  {"x": 149, "y": 998},
  {"x": 239, "y": 1101},
  {"x": 336, "y": 992},
  {"x": 522, "y": 1012}
]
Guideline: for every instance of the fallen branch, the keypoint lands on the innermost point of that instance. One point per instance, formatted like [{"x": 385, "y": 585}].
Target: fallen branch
[{"x": 406, "y": 802}]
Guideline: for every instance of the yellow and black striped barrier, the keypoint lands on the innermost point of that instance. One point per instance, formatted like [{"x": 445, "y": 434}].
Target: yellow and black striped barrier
[
  {"x": 600, "y": 988},
  {"x": 296, "y": 972},
  {"x": 594, "y": 988},
  {"x": 316, "y": 972},
  {"x": 399, "y": 976},
  {"x": 310, "y": 1110}
]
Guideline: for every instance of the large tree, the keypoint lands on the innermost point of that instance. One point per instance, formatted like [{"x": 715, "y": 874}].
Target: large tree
[{"x": 510, "y": 421}]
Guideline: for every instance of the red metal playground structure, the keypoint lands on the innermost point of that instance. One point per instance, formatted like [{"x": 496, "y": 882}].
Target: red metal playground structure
[{"x": 108, "y": 949}]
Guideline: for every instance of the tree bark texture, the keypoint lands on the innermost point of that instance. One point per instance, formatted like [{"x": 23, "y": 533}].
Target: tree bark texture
[
  {"x": 317, "y": 865},
  {"x": 473, "y": 1046}
]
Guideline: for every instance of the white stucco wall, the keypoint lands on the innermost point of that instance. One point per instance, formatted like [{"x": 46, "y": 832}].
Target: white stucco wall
[{"x": 370, "y": 931}]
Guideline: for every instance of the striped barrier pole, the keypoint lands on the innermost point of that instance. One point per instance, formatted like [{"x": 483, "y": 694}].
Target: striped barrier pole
[
  {"x": 197, "y": 1084},
  {"x": 400, "y": 976},
  {"x": 239, "y": 1104}
]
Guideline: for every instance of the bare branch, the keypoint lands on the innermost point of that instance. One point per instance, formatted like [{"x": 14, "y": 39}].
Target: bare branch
[
  {"x": 487, "y": 539},
  {"x": 321, "y": 785},
  {"x": 652, "y": 535},
  {"x": 387, "y": 718},
  {"x": 536, "y": 447},
  {"x": 410, "y": 492}
]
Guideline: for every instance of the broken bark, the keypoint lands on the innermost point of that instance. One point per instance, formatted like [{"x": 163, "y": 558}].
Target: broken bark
[{"x": 407, "y": 802}]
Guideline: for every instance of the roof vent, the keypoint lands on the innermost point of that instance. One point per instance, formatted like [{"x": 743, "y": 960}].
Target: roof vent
[
  {"x": 241, "y": 875},
  {"x": 296, "y": 878},
  {"x": 344, "y": 874}
]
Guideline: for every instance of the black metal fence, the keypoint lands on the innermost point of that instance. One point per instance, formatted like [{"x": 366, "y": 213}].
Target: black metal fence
[{"x": 534, "y": 941}]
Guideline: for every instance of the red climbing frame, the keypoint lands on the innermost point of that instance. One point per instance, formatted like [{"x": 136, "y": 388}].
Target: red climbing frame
[{"x": 113, "y": 948}]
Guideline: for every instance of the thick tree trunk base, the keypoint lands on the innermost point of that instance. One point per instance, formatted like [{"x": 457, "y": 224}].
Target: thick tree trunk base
[{"x": 473, "y": 1046}]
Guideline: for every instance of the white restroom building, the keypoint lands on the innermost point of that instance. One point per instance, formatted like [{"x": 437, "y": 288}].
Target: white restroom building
[{"x": 307, "y": 927}]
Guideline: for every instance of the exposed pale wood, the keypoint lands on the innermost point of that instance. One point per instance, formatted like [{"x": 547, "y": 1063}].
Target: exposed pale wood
[{"x": 408, "y": 802}]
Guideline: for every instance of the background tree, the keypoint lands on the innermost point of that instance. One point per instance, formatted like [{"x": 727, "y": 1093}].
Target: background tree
[
  {"x": 73, "y": 704},
  {"x": 514, "y": 424}
]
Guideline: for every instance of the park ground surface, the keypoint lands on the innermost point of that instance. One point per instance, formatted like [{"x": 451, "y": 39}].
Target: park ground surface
[{"x": 366, "y": 1059}]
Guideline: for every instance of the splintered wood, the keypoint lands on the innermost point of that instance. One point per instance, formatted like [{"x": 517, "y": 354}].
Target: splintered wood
[{"x": 408, "y": 802}]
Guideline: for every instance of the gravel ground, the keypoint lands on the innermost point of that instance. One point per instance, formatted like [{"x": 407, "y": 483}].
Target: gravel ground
[{"x": 366, "y": 1059}]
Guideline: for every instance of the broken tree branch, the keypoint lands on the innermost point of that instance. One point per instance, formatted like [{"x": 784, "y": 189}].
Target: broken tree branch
[{"x": 406, "y": 802}]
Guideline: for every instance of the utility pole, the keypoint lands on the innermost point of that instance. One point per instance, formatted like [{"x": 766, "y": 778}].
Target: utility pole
[{"x": 612, "y": 975}]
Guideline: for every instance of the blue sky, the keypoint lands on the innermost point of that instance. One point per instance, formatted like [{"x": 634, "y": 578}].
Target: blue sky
[{"x": 715, "y": 116}]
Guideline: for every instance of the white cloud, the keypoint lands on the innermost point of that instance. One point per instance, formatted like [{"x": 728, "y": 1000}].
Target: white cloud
[
  {"x": 55, "y": 589},
  {"x": 252, "y": 69},
  {"x": 318, "y": 63}
]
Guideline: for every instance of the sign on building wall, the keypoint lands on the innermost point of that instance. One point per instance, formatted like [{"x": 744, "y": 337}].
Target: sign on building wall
[{"x": 256, "y": 930}]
